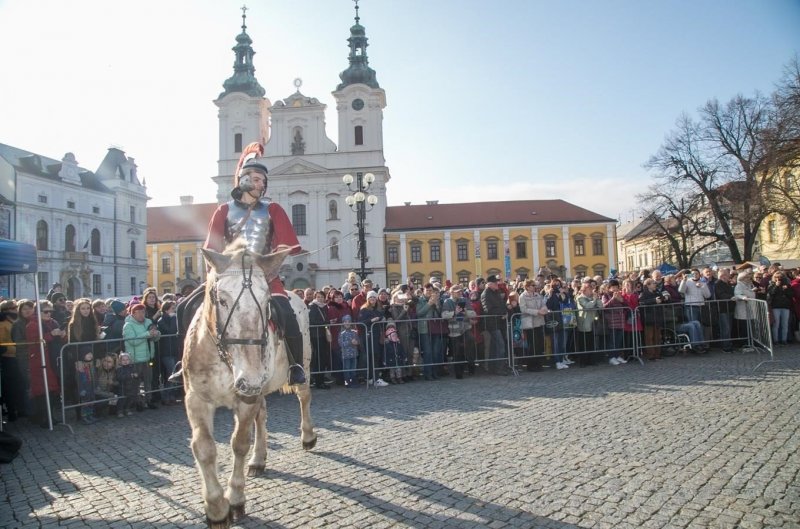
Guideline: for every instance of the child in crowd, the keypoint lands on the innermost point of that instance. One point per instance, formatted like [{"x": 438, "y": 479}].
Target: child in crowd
[
  {"x": 394, "y": 354},
  {"x": 349, "y": 343},
  {"x": 128, "y": 384},
  {"x": 84, "y": 374},
  {"x": 105, "y": 383}
]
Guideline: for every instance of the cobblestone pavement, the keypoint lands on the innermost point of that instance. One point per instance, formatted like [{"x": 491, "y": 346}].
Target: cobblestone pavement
[{"x": 684, "y": 442}]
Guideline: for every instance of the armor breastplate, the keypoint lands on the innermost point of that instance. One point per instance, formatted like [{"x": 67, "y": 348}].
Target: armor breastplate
[{"x": 251, "y": 224}]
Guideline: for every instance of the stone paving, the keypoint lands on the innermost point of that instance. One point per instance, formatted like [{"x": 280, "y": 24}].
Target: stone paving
[{"x": 689, "y": 442}]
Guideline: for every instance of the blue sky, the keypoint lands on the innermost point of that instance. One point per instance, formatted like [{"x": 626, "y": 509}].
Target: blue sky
[{"x": 486, "y": 100}]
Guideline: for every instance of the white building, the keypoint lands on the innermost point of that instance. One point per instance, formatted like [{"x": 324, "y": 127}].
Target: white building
[
  {"x": 306, "y": 167},
  {"x": 89, "y": 227}
]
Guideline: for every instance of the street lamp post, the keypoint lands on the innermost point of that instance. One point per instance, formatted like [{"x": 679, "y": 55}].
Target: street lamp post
[{"x": 360, "y": 202}]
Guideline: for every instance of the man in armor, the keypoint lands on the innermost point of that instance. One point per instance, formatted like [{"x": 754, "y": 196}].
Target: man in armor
[{"x": 265, "y": 228}]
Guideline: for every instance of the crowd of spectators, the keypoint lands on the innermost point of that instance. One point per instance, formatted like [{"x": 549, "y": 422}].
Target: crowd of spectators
[{"x": 123, "y": 353}]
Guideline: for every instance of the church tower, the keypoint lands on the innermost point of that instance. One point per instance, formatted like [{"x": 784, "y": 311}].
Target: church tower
[
  {"x": 243, "y": 112},
  {"x": 359, "y": 98}
]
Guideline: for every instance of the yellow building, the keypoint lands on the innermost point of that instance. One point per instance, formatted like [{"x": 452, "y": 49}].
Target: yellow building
[
  {"x": 175, "y": 235},
  {"x": 461, "y": 242}
]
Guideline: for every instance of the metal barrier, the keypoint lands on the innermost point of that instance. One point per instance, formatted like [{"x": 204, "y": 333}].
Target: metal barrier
[
  {"x": 334, "y": 363},
  {"x": 584, "y": 333},
  {"x": 479, "y": 345},
  {"x": 71, "y": 353}
]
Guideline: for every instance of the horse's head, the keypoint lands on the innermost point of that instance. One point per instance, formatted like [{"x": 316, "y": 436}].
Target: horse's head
[{"x": 237, "y": 302}]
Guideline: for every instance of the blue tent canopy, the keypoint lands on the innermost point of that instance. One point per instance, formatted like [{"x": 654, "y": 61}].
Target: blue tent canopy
[
  {"x": 17, "y": 257},
  {"x": 667, "y": 268}
]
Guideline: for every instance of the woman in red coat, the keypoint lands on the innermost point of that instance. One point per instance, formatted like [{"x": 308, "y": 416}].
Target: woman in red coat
[
  {"x": 337, "y": 308},
  {"x": 51, "y": 332}
]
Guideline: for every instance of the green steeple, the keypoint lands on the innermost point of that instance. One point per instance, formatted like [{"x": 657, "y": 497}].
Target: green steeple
[
  {"x": 359, "y": 70},
  {"x": 243, "y": 79}
]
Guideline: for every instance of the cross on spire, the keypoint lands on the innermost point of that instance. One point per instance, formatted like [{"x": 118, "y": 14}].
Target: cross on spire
[
  {"x": 244, "y": 16},
  {"x": 357, "y": 18}
]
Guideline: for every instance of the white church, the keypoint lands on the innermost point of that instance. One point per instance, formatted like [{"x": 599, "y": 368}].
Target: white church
[{"x": 306, "y": 167}]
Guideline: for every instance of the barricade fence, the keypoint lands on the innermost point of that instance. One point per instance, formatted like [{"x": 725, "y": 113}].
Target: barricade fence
[{"x": 422, "y": 347}]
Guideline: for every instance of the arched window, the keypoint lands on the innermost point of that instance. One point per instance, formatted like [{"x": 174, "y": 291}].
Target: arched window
[
  {"x": 299, "y": 219},
  {"x": 334, "y": 248},
  {"x": 42, "y": 235},
  {"x": 333, "y": 210},
  {"x": 237, "y": 142},
  {"x": 133, "y": 249},
  {"x": 359, "y": 135},
  {"x": 69, "y": 238},
  {"x": 95, "y": 242}
]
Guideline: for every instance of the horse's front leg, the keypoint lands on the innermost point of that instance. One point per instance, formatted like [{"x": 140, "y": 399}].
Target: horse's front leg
[
  {"x": 258, "y": 461},
  {"x": 240, "y": 444},
  {"x": 201, "y": 418},
  {"x": 307, "y": 434}
]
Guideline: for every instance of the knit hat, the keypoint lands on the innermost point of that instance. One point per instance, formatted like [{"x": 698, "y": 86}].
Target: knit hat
[
  {"x": 372, "y": 294},
  {"x": 136, "y": 307},
  {"x": 117, "y": 306},
  {"x": 347, "y": 318}
]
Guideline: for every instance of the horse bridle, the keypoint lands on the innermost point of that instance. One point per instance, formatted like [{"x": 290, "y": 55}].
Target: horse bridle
[{"x": 221, "y": 340}]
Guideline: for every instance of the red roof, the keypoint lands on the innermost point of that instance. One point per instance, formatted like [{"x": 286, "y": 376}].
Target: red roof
[
  {"x": 179, "y": 223},
  {"x": 488, "y": 214}
]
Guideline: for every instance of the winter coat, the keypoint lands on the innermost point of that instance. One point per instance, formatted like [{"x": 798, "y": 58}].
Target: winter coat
[
  {"x": 780, "y": 296},
  {"x": 35, "y": 357},
  {"x": 127, "y": 381},
  {"x": 614, "y": 315},
  {"x": 588, "y": 312},
  {"x": 346, "y": 339},
  {"x": 493, "y": 305},
  {"x": 743, "y": 292},
  {"x": 694, "y": 292},
  {"x": 138, "y": 340},
  {"x": 529, "y": 305},
  {"x": 337, "y": 311},
  {"x": 169, "y": 345}
]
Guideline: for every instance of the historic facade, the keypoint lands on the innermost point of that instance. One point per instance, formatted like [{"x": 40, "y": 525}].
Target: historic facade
[
  {"x": 89, "y": 227},
  {"x": 305, "y": 166},
  {"x": 464, "y": 241}
]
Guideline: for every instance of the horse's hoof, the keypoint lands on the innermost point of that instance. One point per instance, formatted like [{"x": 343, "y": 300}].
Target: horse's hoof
[
  {"x": 237, "y": 512},
  {"x": 222, "y": 524},
  {"x": 255, "y": 470},
  {"x": 311, "y": 444}
]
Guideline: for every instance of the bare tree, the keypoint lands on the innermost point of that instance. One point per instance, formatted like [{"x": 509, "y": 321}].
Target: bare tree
[
  {"x": 718, "y": 163},
  {"x": 677, "y": 218}
]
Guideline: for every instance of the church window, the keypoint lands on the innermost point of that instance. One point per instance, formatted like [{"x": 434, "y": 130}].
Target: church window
[
  {"x": 95, "y": 242},
  {"x": 69, "y": 238},
  {"x": 97, "y": 284},
  {"x": 70, "y": 204},
  {"x": 43, "y": 199},
  {"x": 333, "y": 210},
  {"x": 359, "y": 135},
  {"x": 299, "y": 219},
  {"x": 237, "y": 142},
  {"x": 42, "y": 234},
  {"x": 133, "y": 214},
  {"x": 334, "y": 249},
  {"x": 133, "y": 249}
]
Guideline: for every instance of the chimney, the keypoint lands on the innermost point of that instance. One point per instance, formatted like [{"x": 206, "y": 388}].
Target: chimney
[
  {"x": 407, "y": 203},
  {"x": 432, "y": 202},
  {"x": 187, "y": 200}
]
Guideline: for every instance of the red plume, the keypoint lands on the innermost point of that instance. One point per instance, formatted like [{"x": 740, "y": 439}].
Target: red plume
[{"x": 253, "y": 150}]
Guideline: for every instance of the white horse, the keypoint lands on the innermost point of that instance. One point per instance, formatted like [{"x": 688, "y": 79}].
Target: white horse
[{"x": 233, "y": 358}]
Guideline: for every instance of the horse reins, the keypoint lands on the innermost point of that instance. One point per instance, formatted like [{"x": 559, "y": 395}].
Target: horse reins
[{"x": 221, "y": 341}]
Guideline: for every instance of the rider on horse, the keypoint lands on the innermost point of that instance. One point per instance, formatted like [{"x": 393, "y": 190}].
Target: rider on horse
[{"x": 265, "y": 228}]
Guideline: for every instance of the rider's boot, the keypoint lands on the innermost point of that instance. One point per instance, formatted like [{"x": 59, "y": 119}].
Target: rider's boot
[{"x": 294, "y": 349}]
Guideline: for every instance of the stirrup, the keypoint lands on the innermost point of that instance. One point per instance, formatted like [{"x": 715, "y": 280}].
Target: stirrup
[
  {"x": 177, "y": 372},
  {"x": 297, "y": 375}
]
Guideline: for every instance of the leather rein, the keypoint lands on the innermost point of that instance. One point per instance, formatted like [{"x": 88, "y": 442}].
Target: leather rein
[{"x": 221, "y": 340}]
